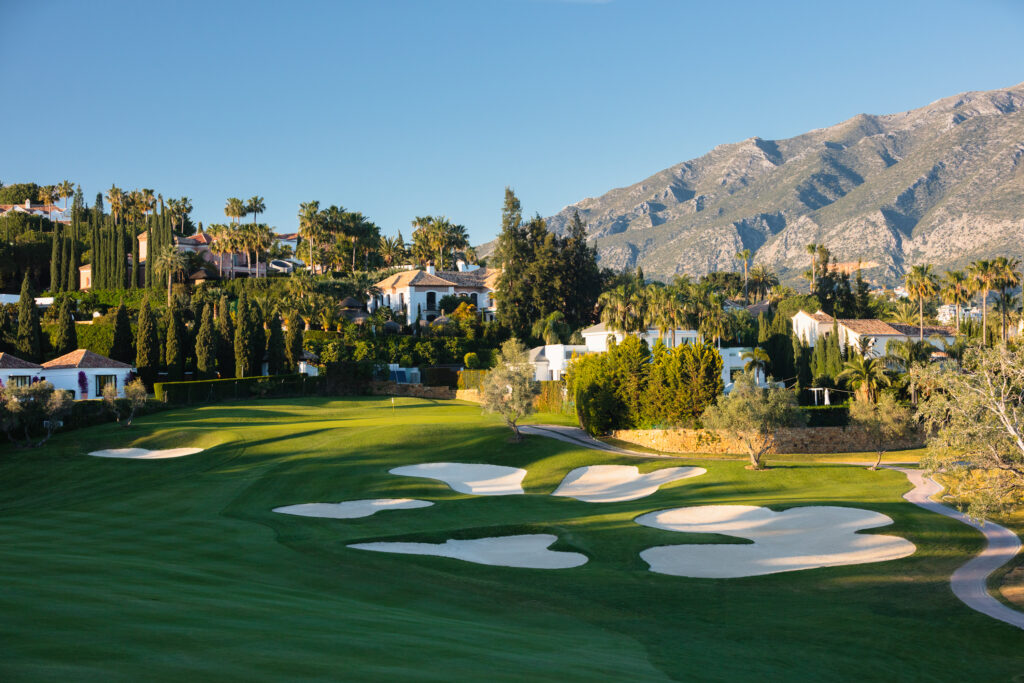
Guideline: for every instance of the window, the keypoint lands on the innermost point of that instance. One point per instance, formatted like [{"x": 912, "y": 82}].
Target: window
[
  {"x": 472, "y": 298},
  {"x": 431, "y": 301},
  {"x": 104, "y": 380},
  {"x": 19, "y": 380}
]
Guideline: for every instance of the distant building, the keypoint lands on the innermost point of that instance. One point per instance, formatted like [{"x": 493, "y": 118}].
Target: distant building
[
  {"x": 81, "y": 372},
  {"x": 32, "y": 209},
  {"x": 809, "y": 327}
]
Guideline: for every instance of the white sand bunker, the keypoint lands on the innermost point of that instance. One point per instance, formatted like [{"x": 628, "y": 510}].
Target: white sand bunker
[
  {"x": 529, "y": 551},
  {"x": 614, "y": 483},
  {"x": 479, "y": 480},
  {"x": 352, "y": 509},
  {"x": 145, "y": 454},
  {"x": 798, "y": 538}
]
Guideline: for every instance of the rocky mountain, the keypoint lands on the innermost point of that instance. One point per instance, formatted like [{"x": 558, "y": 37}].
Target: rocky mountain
[{"x": 943, "y": 184}]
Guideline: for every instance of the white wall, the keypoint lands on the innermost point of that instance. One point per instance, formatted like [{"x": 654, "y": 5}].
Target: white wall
[
  {"x": 805, "y": 328},
  {"x": 597, "y": 342},
  {"x": 67, "y": 378}
]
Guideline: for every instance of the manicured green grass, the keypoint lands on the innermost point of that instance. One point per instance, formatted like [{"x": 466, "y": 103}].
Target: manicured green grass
[{"x": 177, "y": 569}]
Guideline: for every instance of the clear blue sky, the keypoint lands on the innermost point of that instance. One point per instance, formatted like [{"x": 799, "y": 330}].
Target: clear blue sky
[{"x": 404, "y": 108}]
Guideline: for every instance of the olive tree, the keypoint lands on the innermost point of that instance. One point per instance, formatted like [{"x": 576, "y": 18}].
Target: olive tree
[
  {"x": 124, "y": 409},
  {"x": 29, "y": 415},
  {"x": 753, "y": 415},
  {"x": 882, "y": 422},
  {"x": 509, "y": 388},
  {"x": 975, "y": 418}
]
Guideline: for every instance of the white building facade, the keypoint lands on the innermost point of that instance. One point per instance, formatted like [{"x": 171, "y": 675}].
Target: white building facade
[
  {"x": 81, "y": 372},
  {"x": 418, "y": 293},
  {"x": 811, "y": 327}
]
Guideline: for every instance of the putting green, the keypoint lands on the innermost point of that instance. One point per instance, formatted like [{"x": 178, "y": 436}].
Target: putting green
[{"x": 120, "y": 569}]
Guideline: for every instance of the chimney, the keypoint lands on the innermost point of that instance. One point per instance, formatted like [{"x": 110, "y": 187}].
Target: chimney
[
  {"x": 460, "y": 265},
  {"x": 28, "y": 203},
  {"x": 430, "y": 268}
]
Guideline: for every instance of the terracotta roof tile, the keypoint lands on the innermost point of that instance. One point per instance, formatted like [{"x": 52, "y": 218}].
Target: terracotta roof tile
[
  {"x": 83, "y": 358},
  {"x": 9, "y": 362}
]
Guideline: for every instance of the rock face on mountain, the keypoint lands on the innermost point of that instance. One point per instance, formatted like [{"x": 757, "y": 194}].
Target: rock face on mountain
[{"x": 943, "y": 184}]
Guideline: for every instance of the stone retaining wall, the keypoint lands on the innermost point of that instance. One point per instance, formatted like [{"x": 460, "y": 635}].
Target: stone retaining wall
[
  {"x": 414, "y": 390},
  {"x": 471, "y": 395},
  {"x": 802, "y": 440}
]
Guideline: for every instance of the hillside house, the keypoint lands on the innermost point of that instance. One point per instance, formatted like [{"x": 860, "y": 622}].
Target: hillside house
[
  {"x": 418, "y": 293},
  {"x": 809, "y": 327},
  {"x": 81, "y": 372}
]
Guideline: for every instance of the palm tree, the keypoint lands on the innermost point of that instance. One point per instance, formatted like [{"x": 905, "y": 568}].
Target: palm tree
[
  {"x": 551, "y": 329},
  {"x": 623, "y": 308},
  {"x": 956, "y": 290},
  {"x": 868, "y": 373},
  {"x": 921, "y": 284},
  {"x": 234, "y": 209},
  {"x": 65, "y": 189},
  {"x": 903, "y": 312},
  {"x": 219, "y": 246},
  {"x": 984, "y": 276},
  {"x": 171, "y": 261},
  {"x": 262, "y": 240},
  {"x": 255, "y": 206},
  {"x": 756, "y": 359},
  {"x": 744, "y": 257},
  {"x": 1008, "y": 278},
  {"x": 715, "y": 323},
  {"x": 392, "y": 249},
  {"x": 904, "y": 354},
  {"x": 115, "y": 200},
  {"x": 310, "y": 225},
  {"x": 762, "y": 280},
  {"x": 812, "y": 249}
]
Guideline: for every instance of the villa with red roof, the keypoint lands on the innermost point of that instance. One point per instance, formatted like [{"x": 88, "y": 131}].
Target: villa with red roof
[
  {"x": 81, "y": 372},
  {"x": 417, "y": 293}
]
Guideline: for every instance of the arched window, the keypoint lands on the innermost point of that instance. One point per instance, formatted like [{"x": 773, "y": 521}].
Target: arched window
[
  {"x": 431, "y": 301},
  {"x": 387, "y": 300},
  {"x": 472, "y": 298}
]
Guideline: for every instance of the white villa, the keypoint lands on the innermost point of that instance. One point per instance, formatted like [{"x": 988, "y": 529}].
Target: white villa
[
  {"x": 33, "y": 209},
  {"x": 417, "y": 293},
  {"x": 551, "y": 362},
  {"x": 947, "y": 313},
  {"x": 68, "y": 372},
  {"x": 809, "y": 327}
]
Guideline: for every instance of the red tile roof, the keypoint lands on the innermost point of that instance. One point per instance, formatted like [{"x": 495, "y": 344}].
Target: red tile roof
[
  {"x": 9, "y": 362},
  {"x": 83, "y": 358}
]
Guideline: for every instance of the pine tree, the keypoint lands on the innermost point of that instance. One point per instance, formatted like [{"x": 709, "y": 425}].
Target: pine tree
[
  {"x": 293, "y": 343},
  {"x": 66, "y": 339},
  {"x": 29, "y": 341},
  {"x": 225, "y": 340},
  {"x": 277, "y": 357},
  {"x": 121, "y": 349},
  {"x": 147, "y": 356},
  {"x": 206, "y": 345},
  {"x": 581, "y": 278},
  {"x": 243, "y": 338}
]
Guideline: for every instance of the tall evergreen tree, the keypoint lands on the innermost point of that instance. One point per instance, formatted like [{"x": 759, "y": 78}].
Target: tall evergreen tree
[
  {"x": 174, "y": 355},
  {"x": 135, "y": 260},
  {"x": 225, "y": 340},
  {"x": 29, "y": 341},
  {"x": 121, "y": 349},
  {"x": 293, "y": 343},
  {"x": 243, "y": 338},
  {"x": 56, "y": 268},
  {"x": 121, "y": 256},
  {"x": 66, "y": 281},
  {"x": 277, "y": 357},
  {"x": 149, "y": 250},
  {"x": 862, "y": 296},
  {"x": 72, "y": 277},
  {"x": 66, "y": 339},
  {"x": 206, "y": 345},
  {"x": 147, "y": 356}
]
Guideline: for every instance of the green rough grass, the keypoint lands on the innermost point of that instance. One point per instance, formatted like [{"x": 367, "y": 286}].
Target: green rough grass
[{"x": 120, "y": 570}]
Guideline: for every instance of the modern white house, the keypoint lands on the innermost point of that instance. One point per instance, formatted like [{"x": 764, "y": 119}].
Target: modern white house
[
  {"x": 81, "y": 372},
  {"x": 417, "y": 293},
  {"x": 946, "y": 313},
  {"x": 50, "y": 211},
  {"x": 596, "y": 337},
  {"x": 551, "y": 362},
  {"x": 810, "y": 327}
]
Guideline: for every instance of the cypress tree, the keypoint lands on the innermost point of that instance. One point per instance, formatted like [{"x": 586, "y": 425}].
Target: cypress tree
[
  {"x": 29, "y": 341},
  {"x": 93, "y": 246},
  {"x": 206, "y": 345},
  {"x": 862, "y": 297},
  {"x": 258, "y": 345},
  {"x": 72, "y": 281},
  {"x": 277, "y": 357},
  {"x": 293, "y": 343},
  {"x": 121, "y": 349},
  {"x": 121, "y": 256},
  {"x": 135, "y": 259},
  {"x": 225, "y": 340},
  {"x": 174, "y": 357},
  {"x": 55, "y": 264},
  {"x": 149, "y": 250},
  {"x": 66, "y": 281},
  {"x": 66, "y": 339},
  {"x": 243, "y": 338},
  {"x": 147, "y": 356}
]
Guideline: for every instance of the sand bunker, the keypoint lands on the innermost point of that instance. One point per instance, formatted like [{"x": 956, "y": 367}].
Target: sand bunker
[
  {"x": 145, "y": 454},
  {"x": 529, "y": 551},
  {"x": 352, "y": 509},
  {"x": 480, "y": 480},
  {"x": 798, "y": 538},
  {"x": 614, "y": 483}
]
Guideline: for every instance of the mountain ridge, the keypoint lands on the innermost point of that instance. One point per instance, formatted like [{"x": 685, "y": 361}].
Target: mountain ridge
[{"x": 942, "y": 184}]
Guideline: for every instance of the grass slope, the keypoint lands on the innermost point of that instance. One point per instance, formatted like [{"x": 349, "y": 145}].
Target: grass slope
[{"x": 162, "y": 570}]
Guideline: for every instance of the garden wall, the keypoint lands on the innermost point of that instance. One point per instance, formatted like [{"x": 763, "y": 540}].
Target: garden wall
[{"x": 796, "y": 440}]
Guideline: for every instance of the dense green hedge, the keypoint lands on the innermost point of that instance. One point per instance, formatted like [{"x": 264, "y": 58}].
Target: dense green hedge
[
  {"x": 211, "y": 390},
  {"x": 439, "y": 377},
  {"x": 827, "y": 416},
  {"x": 471, "y": 379},
  {"x": 98, "y": 338},
  {"x": 91, "y": 412}
]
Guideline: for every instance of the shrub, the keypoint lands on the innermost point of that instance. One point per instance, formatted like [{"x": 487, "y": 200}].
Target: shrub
[
  {"x": 471, "y": 360},
  {"x": 212, "y": 390},
  {"x": 439, "y": 377},
  {"x": 471, "y": 379}
]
